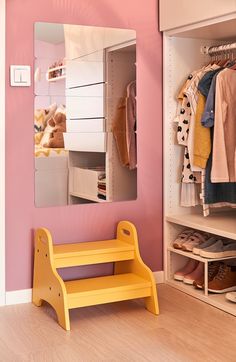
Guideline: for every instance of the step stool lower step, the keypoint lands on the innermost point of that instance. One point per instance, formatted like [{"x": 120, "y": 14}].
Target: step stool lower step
[{"x": 112, "y": 288}]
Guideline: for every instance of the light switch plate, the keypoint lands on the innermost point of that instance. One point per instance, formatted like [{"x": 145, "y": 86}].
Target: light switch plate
[{"x": 20, "y": 75}]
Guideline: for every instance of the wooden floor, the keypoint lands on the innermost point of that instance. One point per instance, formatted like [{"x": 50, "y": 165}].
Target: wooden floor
[{"x": 186, "y": 330}]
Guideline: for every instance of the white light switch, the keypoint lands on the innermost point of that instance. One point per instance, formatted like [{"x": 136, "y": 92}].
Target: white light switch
[{"x": 20, "y": 76}]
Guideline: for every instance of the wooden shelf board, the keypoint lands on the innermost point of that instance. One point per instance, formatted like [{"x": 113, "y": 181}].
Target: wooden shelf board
[
  {"x": 56, "y": 68},
  {"x": 91, "y": 248},
  {"x": 104, "y": 284},
  {"x": 87, "y": 197},
  {"x": 56, "y": 78},
  {"x": 218, "y": 29},
  {"x": 217, "y": 300},
  {"x": 222, "y": 223},
  {"x": 197, "y": 257}
]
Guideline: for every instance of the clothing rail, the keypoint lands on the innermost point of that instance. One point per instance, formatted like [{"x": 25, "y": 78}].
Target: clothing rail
[{"x": 225, "y": 48}]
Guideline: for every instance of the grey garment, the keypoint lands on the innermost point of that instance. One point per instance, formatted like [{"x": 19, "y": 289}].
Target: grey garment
[
  {"x": 218, "y": 192},
  {"x": 206, "y": 244},
  {"x": 205, "y": 83},
  {"x": 209, "y": 111},
  {"x": 208, "y": 89}
]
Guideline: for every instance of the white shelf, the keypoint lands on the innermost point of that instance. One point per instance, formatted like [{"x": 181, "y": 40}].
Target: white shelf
[
  {"x": 56, "y": 78},
  {"x": 50, "y": 70},
  {"x": 219, "y": 29},
  {"x": 222, "y": 223},
  {"x": 217, "y": 300},
  {"x": 197, "y": 257},
  {"x": 87, "y": 197},
  {"x": 56, "y": 68}
]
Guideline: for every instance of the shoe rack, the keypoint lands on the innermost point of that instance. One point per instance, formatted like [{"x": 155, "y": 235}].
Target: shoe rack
[
  {"x": 182, "y": 55},
  {"x": 177, "y": 258}
]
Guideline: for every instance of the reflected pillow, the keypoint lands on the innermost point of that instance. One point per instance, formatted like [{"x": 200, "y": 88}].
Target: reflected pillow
[{"x": 41, "y": 116}]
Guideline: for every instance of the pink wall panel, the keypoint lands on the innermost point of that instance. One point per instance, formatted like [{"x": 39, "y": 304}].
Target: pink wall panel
[{"x": 85, "y": 222}]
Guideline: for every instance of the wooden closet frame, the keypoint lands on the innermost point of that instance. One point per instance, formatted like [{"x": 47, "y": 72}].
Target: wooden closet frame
[{"x": 181, "y": 55}]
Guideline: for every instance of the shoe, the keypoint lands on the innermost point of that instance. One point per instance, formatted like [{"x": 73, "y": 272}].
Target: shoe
[
  {"x": 195, "y": 240},
  {"x": 204, "y": 245},
  {"x": 220, "y": 249},
  {"x": 187, "y": 269},
  {"x": 231, "y": 296},
  {"x": 182, "y": 238},
  {"x": 224, "y": 281},
  {"x": 196, "y": 274},
  {"x": 212, "y": 271}
]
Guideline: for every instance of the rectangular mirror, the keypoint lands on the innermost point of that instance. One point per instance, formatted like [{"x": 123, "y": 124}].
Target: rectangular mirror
[{"x": 84, "y": 114}]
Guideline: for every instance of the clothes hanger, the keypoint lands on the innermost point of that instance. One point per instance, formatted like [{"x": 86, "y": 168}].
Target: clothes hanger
[
  {"x": 233, "y": 66},
  {"x": 223, "y": 62}
]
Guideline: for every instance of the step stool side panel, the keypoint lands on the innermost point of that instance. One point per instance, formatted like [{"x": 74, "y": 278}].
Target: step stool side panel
[
  {"x": 126, "y": 231},
  {"x": 47, "y": 284}
]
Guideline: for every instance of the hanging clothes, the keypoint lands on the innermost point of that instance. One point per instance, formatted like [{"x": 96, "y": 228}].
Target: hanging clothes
[
  {"x": 202, "y": 138},
  {"x": 216, "y": 194},
  {"x": 189, "y": 194},
  {"x": 224, "y": 142},
  {"x": 209, "y": 104},
  {"x": 124, "y": 127}
]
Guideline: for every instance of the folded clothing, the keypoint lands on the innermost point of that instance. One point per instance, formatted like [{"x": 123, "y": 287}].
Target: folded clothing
[{"x": 102, "y": 186}]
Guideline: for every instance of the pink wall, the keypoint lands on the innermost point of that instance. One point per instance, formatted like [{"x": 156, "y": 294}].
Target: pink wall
[{"x": 85, "y": 222}]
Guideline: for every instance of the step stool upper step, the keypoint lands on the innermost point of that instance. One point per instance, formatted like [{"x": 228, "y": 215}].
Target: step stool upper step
[
  {"x": 94, "y": 252},
  {"x": 112, "y": 288}
]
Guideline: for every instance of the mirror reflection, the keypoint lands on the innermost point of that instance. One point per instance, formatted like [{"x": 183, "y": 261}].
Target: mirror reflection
[{"x": 84, "y": 114}]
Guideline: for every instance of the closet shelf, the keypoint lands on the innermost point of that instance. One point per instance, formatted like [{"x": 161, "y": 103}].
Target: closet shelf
[
  {"x": 217, "y": 300},
  {"x": 222, "y": 223},
  {"x": 197, "y": 257},
  {"x": 87, "y": 253},
  {"x": 56, "y": 78},
  {"x": 87, "y": 197},
  {"x": 62, "y": 68}
]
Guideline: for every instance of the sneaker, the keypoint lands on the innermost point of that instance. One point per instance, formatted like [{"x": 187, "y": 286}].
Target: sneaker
[
  {"x": 196, "y": 274},
  {"x": 219, "y": 249},
  {"x": 224, "y": 281},
  {"x": 182, "y": 238},
  {"x": 212, "y": 271},
  {"x": 231, "y": 296},
  {"x": 195, "y": 240},
  {"x": 188, "y": 268},
  {"x": 204, "y": 245}
]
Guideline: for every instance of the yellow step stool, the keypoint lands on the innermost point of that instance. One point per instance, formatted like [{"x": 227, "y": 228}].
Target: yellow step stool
[{"x": 132, "y": 278}]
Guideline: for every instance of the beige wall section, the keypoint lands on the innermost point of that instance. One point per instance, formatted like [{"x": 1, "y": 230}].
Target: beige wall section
[{"x": 179, "y": 13}]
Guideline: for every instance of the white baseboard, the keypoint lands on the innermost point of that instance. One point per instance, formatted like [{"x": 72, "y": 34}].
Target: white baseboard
[
  {"x": 2, "y": 299},
  {"x": 19, "y": 296},
  {"x": 159, "y": 276},
  {"x": 25, "y": 295}
]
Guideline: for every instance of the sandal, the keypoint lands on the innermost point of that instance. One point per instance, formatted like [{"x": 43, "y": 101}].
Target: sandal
[{"x": 182, "y": 238}]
